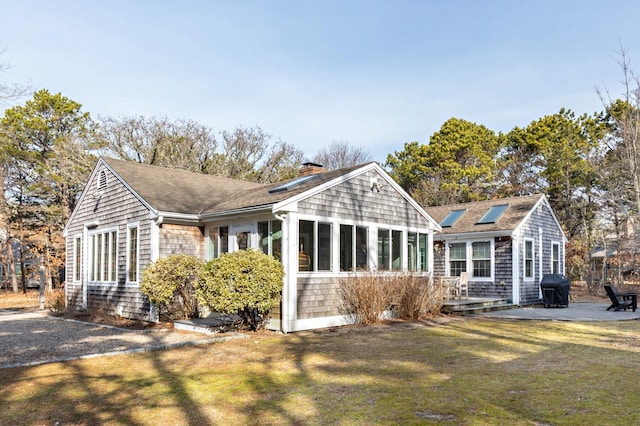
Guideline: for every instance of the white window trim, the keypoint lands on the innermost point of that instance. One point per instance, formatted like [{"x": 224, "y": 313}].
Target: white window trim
[
  {"x": 90, "y": 252},
  {"x": 560, "y": 257},
  {"x": 533, "y": 259},
  {"x": 77, "y": 268},
  {"x": 128, "y": 260},
  {"x": 469, "y": 258}
]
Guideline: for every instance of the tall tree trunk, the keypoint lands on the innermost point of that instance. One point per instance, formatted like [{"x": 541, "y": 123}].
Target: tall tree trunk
[{"x": 12, "y": 266}]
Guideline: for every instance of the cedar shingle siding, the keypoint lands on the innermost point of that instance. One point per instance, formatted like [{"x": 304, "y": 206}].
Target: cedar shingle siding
[
  {"x": 528, "y": 217},
  {"x": 115, "y": 208},
  {"x": 175, "y": 212},
  {"x": 181, "y": 239},
  {"x": 353, "y": 200}
]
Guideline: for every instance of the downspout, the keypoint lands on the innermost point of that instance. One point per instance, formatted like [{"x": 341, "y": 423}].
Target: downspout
[{"x": 284, "y": 309}]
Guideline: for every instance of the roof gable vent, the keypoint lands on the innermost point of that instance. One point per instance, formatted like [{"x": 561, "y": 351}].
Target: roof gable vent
[{"x": 102, "y": 181}]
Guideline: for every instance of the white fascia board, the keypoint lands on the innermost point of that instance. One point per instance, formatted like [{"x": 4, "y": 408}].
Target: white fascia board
[
  {"x": 543, "y": 200},
  {"x": 463, "y": 236},
  {"x": 286, "y": 205},
  {"x": 248, "y": 211},
  {"x": 180, "y": 218},
  {"x": 82, "y": 196},
  {"x": 130, "y": 189},
  {"x": 434, "y": 225}
]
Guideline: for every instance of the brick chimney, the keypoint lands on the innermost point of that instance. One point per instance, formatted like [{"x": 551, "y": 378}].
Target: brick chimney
[{"x": 308, "y": 169}]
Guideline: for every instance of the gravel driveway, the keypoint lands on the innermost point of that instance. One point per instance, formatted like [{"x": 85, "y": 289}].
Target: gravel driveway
[{"x": 32, "y": 338}]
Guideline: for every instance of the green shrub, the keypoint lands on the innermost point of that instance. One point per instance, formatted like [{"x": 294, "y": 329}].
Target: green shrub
[
  {"x": 246, "y": 282},
  {"x": 168, "y": 283}
]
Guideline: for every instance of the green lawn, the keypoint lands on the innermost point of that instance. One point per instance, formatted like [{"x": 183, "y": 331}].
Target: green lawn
[{"x": 455, "y": 372}]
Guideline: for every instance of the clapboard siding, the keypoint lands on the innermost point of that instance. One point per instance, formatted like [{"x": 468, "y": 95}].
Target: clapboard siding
[
  {"x": 181, "y": 239},
  {"x": 353, "y": 200},
  {"x": 114, "y": 207}
]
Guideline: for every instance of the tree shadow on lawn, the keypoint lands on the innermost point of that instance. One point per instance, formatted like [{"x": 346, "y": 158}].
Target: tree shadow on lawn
[
  {"x": 456, "y": 372},
  {"x": 141, "y": 388},
  {"x": 459, "y": 372}
]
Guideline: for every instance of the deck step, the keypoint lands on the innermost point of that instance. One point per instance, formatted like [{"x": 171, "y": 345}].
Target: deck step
[{"x": 475, "y": 306}]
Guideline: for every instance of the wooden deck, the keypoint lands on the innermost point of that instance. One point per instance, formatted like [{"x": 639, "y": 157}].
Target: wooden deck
[{"x": 474, "y": 305}]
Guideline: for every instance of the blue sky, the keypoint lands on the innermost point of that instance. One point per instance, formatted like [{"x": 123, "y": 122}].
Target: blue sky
[{"x": 376, "y": 74}]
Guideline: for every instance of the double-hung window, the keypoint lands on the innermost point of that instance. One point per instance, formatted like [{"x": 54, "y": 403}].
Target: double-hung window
[
  {"x": 481, "y": 257},
  {"x": 457, "y": 258},
  {"x": 529, "y": 263},
  {"x": 77, "y": 258},
  {"x": 555, "y": 258},
  {"x": 103, "y": 256},
  {"x": 133, "y": 252}
]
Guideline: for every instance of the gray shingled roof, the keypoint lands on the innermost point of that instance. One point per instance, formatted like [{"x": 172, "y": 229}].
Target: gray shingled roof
[
  {"x": 179, "y": 191},
  {"x": 518, "y": 209},
  {"x": 263, "y": 197}
]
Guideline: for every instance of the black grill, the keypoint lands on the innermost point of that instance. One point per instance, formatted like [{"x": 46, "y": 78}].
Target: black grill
[{"x": 555, "y": 290}]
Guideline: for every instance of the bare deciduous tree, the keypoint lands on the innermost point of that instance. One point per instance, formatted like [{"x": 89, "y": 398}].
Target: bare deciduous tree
[
  {"x": 10, "y": 91},
  {"x": 341, "y": 154}
]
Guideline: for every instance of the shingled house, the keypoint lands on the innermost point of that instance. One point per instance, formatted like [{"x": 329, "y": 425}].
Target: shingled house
[
  {"x": 504, "y": 245},
  {"x": 323, "y": 226}
]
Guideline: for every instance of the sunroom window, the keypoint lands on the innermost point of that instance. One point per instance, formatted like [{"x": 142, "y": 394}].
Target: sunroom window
[{"x": 314, "y": 252}]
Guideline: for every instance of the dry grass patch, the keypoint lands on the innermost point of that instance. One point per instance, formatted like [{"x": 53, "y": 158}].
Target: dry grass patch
[{"x": 438, "y": 372}]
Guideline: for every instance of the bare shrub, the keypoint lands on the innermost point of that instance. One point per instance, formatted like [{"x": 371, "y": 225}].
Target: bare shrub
[
  {"x": 366, "y": 296},
  {"x": 418, "y": 296},
  {"x": 56, "y": 302}
]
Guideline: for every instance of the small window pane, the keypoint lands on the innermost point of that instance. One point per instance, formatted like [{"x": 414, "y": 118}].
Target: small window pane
[
  {"x": 346, "y": 247},
  {"x": 384, "y": 249},
  {"x": 412, "y": 250},
  {"x": 263, "y": 236},
  {"x": 306, "y": 244},
  {"x": 224, "y": 239},
  {"x": 78, "y": 259},
  {"x": 396, "y": 250},
  {"x": 324, "y": 247},
  {"x": 423, "y": 252},
  {"x": 276, "y": 239},
  {"x": 362, "y": 253},
  {"x": 133, "y": 254}
]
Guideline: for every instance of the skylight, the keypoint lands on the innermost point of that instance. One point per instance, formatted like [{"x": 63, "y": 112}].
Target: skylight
[
  {"x": 451, "y": 218},
  {"x": 293, "y": 183},
  {"x": 493, "y": 214}
]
